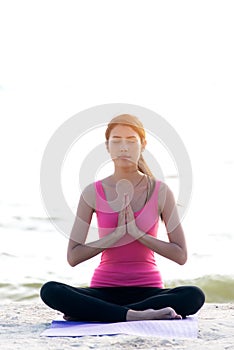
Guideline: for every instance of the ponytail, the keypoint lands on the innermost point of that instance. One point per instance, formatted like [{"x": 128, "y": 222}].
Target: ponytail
[{"x": 144, "y": 168}]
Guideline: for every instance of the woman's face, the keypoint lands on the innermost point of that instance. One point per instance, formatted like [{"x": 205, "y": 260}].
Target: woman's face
[{"x": 124, "y": 146}]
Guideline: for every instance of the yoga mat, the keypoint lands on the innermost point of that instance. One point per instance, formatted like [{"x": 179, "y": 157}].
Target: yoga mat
[{"x": 187, "y": 328}]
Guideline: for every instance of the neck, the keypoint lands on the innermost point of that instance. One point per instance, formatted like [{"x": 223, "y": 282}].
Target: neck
[{"x": 126, "y": 173}]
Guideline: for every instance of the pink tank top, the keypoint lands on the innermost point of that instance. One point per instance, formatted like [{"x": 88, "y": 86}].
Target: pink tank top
[{"x": 129, "y": 262}]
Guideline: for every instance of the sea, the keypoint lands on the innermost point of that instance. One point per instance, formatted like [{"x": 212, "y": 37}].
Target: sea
[{"x": 33, "y": 251}]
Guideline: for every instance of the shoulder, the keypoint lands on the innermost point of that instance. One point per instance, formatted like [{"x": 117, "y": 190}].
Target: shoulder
[
  {"x": 88, "y": 195},
  {"x": 163, "y": 187},
  {"x": 165, "y": 196}
]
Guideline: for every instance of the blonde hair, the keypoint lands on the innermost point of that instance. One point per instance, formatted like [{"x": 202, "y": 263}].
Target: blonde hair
[{"x": 137, "y": 126}]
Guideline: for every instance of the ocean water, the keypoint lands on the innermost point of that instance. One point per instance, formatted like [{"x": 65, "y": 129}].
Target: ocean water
[{"x": 32, "y": 252}]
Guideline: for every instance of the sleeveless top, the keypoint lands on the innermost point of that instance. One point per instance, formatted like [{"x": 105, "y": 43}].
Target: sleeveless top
[{"x": 128, "y": 262}]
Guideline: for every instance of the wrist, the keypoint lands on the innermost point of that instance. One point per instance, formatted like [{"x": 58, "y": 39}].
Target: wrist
[{"x": 134, "y": 232}]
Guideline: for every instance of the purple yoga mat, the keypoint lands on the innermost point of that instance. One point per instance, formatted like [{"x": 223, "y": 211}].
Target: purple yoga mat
[{"x": 187, "y": 328}]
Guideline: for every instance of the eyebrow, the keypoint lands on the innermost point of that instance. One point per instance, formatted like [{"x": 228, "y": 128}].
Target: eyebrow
[{"x": 120, "y": 137}]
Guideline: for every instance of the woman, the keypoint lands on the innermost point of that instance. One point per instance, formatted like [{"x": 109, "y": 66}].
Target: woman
[{"x": 127, "y": 284}]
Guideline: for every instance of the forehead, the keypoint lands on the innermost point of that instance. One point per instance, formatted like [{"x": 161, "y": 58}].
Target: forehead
[{"x": 123, "y": 131}]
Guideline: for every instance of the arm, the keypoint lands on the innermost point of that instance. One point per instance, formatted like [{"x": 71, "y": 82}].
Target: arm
[
  {"x": 77, "y": 250},
  {"x": 175, "y": 249}
]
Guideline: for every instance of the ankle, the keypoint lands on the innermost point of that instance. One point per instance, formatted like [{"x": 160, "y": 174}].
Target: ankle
[{"x": 132, "y": 315}]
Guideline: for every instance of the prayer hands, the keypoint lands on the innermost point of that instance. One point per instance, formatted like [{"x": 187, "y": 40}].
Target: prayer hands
[
  {"x": 121, "y": 228},
  {"x": 131, "y": 226},
  {"x": 127, "y": 223}
]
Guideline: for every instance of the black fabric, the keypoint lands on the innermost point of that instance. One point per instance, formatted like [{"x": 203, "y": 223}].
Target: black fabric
[{"x": 110, "y": 304}]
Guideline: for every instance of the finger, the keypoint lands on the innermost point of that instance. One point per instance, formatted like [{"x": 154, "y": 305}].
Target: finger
[
  {"x": 121, "y": 214},
  {"x": 127, "y": 199},
  {"x": 122, "y": 218},
  {"x": 129, "y": 207},
  {"x": 129, "y": 210}
]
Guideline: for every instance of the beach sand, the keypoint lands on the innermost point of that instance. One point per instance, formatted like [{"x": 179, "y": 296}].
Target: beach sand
[{"x": 22, "y": 323}]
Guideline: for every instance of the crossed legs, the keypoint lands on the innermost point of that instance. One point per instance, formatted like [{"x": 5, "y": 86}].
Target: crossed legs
[{"x": 116, "y": 304}]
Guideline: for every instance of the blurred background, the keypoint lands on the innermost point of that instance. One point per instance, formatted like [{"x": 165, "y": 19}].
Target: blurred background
[{"x": 59, "y": 58}]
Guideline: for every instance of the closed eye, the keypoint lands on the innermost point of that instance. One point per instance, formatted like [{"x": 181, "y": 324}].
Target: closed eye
[{"x": 130, "y": 139}]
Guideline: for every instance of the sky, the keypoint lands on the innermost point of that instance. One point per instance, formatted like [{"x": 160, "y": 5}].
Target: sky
[{"x": 175, "y": 58}]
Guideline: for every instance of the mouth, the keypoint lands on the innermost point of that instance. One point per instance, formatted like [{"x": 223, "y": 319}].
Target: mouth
[{"x": 123, "y": 157}]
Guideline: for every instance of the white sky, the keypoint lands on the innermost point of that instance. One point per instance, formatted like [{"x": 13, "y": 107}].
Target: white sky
[
  {"x": 61, "y": 57},
  {"x": 58, "y": 58}
]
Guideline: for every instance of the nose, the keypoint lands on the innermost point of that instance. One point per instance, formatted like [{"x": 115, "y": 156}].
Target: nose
[{"x": 123, "y": 146}]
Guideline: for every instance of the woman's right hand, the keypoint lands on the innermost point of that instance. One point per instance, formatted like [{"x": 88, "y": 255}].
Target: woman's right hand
[{"x": 121, "y": 228}]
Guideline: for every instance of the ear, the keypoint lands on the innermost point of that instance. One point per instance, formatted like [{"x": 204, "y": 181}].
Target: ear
[
  {"x": 107, "y": 146},
  {"x": 143, "y": 145}
]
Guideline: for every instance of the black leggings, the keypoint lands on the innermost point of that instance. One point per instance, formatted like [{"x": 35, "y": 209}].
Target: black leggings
[{"x": 110, "y": 304}]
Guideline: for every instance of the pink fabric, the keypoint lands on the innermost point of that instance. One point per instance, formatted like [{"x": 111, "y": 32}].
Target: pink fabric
[{"x": 128, "y": 262}]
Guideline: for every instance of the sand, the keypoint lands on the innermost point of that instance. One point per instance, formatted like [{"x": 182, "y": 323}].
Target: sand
[{"x": 22, "y": 323}]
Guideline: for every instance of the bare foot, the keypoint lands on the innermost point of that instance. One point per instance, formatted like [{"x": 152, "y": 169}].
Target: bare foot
[{"x": 150, "y": 314}]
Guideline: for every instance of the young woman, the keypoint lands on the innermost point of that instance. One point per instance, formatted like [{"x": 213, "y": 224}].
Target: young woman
[{"x": 127, "y": 284}]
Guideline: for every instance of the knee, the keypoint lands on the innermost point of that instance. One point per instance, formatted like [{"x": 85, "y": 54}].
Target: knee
[
  {"x": 197, "y": 297},
  {"x": 48, "y": 290},
  {"x": 200, "y": 295},
  {"x": 192, "y": 298}
]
